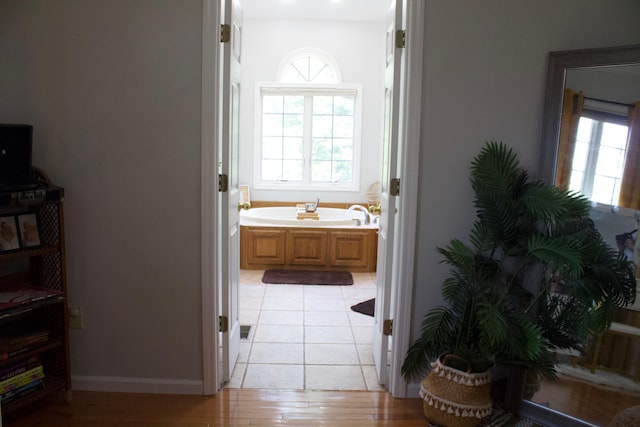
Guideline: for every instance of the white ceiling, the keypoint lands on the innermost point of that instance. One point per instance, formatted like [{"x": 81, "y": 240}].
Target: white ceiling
[{"x": 348, "y": 10}]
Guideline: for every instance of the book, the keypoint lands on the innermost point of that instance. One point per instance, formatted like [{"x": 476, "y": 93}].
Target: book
[
  {"x": 19, "y": 343},
  {"x": 19, "y": 294},
  {"x": 22, "y": 379},
  {"x": 19, "y": 367},
  {"x": 23, "y": 391}
]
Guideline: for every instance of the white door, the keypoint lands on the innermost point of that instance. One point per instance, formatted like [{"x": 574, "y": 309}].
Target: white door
[
  {"x": 388, "y": 202},
  {"x": 230, "y": 218}
]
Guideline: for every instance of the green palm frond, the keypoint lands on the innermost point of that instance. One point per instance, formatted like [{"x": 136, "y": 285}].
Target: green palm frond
[
  {"x": 499, "y": 216},
  {"x": 560, "y": 253},
  {"x": 544, "y": 203},
  {"x": 574, "y": 203},
  {"x": 562, "y": 321},
  {"x": 458, "y": 255},
  {"x": 438, "y": 334},
  {"x": 526, "y": 343},
  {"x": 495, "y": 169},
  {"x": 524, "y": 231},
  {"x": 493, "y": 324},
  {"x": 456, "y": 287},
  {"x": 481, "y": 238}
]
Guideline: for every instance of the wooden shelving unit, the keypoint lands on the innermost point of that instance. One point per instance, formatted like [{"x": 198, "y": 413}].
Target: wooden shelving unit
[{"x": 42, "y": 266}]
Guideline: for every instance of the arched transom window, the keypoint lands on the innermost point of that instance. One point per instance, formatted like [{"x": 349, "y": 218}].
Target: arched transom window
[
  {"x": 309, "y": 68},
  {"x": 308, "y": 133}
]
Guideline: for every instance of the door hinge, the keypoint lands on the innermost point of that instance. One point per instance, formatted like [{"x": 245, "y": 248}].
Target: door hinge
[
  {"x": 387, "y": 327},
  {"x": 223, "y": 324},
  {"x": 225, "y": 33},
  {"x": 223, "y": 183},
  {"x": 401, "y": 39},
  {"x": 394, "y": 187}
]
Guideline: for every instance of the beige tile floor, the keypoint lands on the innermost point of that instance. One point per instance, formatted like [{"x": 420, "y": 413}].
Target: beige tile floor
[{"x": 305, "y": 337}]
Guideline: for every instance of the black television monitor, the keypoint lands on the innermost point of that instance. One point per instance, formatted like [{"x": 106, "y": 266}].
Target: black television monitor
[{"x": 15, "y": 154}]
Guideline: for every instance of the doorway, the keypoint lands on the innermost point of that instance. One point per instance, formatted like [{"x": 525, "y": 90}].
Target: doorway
[
  {"x": 303, "y": 336},
  {"x": 406, "y": 213}
]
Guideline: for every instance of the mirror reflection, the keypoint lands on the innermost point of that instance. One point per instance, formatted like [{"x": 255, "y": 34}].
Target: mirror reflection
[
  {"x": 599, "y": 138},
  {"x": 591, "y": 145}
]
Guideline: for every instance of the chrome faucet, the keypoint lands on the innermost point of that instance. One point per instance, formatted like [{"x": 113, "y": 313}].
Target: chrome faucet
[{"x": 365, "y": 211}]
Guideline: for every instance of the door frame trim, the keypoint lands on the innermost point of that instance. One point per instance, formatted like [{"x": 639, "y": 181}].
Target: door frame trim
[
  {"x": 209, "y": 220},
  {"x": 405, "y": 237},
  {"x": 403, "y": 274}
]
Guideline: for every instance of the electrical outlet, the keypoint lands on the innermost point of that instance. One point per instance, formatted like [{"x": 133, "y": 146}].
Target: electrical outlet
[{"x": 75, "y": 318}]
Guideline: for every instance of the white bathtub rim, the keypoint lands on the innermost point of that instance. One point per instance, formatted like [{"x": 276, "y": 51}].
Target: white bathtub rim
[{"x": 285, "y": 216}]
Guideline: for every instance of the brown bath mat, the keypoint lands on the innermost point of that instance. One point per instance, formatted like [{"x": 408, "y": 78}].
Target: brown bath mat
[
  {"x": 308, "y": 277},
  {"x": 365, "y": 307}
]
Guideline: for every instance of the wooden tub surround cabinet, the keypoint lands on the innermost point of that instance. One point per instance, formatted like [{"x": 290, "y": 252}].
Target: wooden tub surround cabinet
[
  {"x": 273, "y": 237},
  {"x": 264, "y": 248}
]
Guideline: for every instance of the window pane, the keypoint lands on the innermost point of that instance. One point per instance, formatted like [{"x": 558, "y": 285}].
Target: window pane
[
  {"x": 271, "y": 170},
  {"x": 292, "y": 149},
  {"x": 321, "y": 171},
  {"x": 272, "y": 125},
  {"x": 309, "y": 68},
  {"x": 603, "y": 189},
  {"x": 272, "y": 104},
  {"x": 325, "y": 76},
  {"x": 614, "y": 135},
  {"x": 580, "y": 156},
  {"x": 584, "y": 129},
  {"x": 302, "y": 67},
  {"x": 285, "y": 143},
  {"x": 322, "y": 105},
  {"x": 293, "y": 124},
  {"x": 271, "y": 148},
  {"x": 610, "y": 162},
  {"x": 343, "y": 126},
  {"x": 316, "y": 67},
  {"x": 343, "y": 149},
  {"x": 321, "y": 149},
  {"x": 343, "y": 105},
  {"x": 294, "y": 104},
  {"x": 292, "y": 170},
  {"x": 322, "y": 126},
  {"x": 576, "y": 181},
  {"x": 293, "y": 75},
  {"x": 342, "y": 172}
]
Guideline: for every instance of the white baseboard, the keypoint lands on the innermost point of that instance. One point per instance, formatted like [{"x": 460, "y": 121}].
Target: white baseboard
[{"x": 136, "y": 385}]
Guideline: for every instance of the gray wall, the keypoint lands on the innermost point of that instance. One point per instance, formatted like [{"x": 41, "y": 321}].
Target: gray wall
[
  {"x": 484, "y": 79},
  {"x": 113, "y": 89}
]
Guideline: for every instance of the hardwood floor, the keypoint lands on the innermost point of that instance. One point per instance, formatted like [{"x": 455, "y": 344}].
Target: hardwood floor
[
  {"x": 584, "y": 400},
  {"x": 231, "y": 407},
  {"x": 243, "y": 407}
]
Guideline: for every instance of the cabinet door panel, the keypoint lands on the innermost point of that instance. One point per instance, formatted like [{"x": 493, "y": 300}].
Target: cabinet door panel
[
  {"x": 264, "y": 247},
  {"x": 349, "y": 249},
  {"x": 307, "y": 248}
]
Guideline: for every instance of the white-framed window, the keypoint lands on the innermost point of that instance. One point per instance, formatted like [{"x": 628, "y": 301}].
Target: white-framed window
[
  {"x": 308, "y": 128},
  {"x": 600, "y": 152}
]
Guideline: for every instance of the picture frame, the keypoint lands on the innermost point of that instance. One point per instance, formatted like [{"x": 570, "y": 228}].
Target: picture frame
[
  {"x": 29, "y": 228},
  {"x": 9, "y": 236}
]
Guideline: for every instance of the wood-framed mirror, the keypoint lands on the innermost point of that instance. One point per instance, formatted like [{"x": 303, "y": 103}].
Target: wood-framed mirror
[
  {"x": 591, "y": 145},
  {"x": 623, "y": 63}
]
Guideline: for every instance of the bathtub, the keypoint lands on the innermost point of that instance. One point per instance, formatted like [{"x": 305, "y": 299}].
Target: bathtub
[
  {"x": 273, "y": 237},
  {"x": 286, "y": 216}
]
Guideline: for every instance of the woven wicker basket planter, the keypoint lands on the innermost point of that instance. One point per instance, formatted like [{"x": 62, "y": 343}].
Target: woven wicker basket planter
[{"x": 455, "y": 398}]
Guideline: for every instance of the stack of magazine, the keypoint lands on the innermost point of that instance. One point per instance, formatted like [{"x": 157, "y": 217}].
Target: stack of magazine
[{"x": 21, "y": 379}]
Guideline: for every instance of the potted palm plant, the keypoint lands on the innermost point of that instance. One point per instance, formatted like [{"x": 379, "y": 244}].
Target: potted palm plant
[{"x": 534, "y": 276}]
